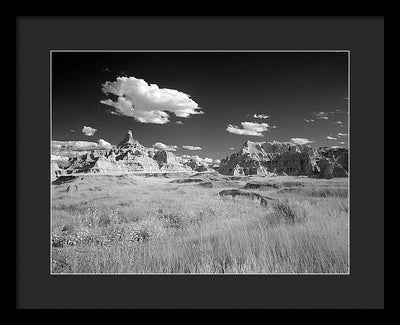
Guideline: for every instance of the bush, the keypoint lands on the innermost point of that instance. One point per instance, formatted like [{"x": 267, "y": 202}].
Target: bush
[{"x": 288, "y": 212}]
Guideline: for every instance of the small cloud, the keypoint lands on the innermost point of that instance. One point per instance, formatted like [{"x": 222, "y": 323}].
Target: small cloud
[
  {"x": 261, "y": 116},
  {"x": 162, "y": 146},
  {"x": 301, "y": 141},
  {"x": 341, "y": 142},
  {"x": 308, "y": 121},
  {"x": 74, "y": 145},
  {"x": 104, "y": 144},
  {"x": 106, "y": 70},
  {"x": 89, "y": 131},
  {"x": 342, "y": 134},
  {"x": 338, "y": 122},
  {"x": 321, "y": 115},
  {"x": 198, "y": 159},
  {"x": 325, "y": 115},
  {"x": 179, "y": 122},
  {"x": 56, "y": 158},
  {"x": 72, "y": 130},
  {"x": 191, "y": 147},
  {"x": 331, "y": 138},
  {"x": 232, "y": 148},
  {"x": 250, "y": 128}
]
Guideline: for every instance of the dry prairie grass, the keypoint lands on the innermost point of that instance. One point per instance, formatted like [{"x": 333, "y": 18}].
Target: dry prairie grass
[{"x": 147, "y": 225}]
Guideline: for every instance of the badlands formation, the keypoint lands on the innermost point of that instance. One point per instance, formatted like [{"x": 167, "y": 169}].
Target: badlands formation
[
  {"x": 129, "y": 156},
  {"x": 255, "y": 158},
  {"x": 286, "y": 158}
]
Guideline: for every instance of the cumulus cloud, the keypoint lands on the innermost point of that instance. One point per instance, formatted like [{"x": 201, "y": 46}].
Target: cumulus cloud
[
  {"x": 261, "y": 116},
  {"x": 194, "y": 158},
  {"x": 56, "y": 158},
  {"x": 191, "y": 147},
  {"x": 308, "y": 121},
  {"x": 301, "y": 141},
  {"x": 232, "y": 148},
  {"x": 179, "y": 122},
  {"x": 147, "y": 103},
  {"x": 74, "y": 145},
  {"x": 331, "y": 138},
  {"x": 342, "y": 134},
  {"x": 250, "y": 128},
  {"x": 103, "y": 143},
  {"x": 80, "y": 145},
  {"x": 341, "y": 142},
  {"x": 162, "y": 146},
  {"x": 200, "y": 160},
  {"x": 89, "y": 131}
]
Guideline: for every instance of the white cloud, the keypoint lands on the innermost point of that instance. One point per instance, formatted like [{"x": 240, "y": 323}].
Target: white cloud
[
  {"x": 200, "y": 160},
  {"x": 89, "y": 131},
  {"x": 301, "y": 141},
  {"x": 179, "y": 122},
  {"x": 72, "y": 130},
  {"x": 194, "y": 158},
  {"x": 324, "y": 115},
  {"x": 55, "y": 157},
  {"x": 308, "y": 121},
  {"x": 80, "y": 145},
  {"x": 162, "y": 146},
  {"x": 338, "y": 122},
  {"x": 232, "y": 148},
  {"x": 261, "y": 116},
  {"x": 250, "y": 128},
  {"x": 74, "y": 145},
  {"x": 342, "y": 134},
  {"x": 147, "y": 103},
  {"x": 321, "y": 115},
  {"x": 191, "y": 147},
  {"x": 331, "y": 138},
  {"x": 341, "y": 142},
  {"x": 104, "y": 144}
]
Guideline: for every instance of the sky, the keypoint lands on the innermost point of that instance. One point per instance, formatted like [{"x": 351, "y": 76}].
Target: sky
[{"x": 201, "y": 103}]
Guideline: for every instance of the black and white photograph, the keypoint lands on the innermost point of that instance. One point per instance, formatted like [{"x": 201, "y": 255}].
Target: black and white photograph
[{"x": 200, "y": 162}]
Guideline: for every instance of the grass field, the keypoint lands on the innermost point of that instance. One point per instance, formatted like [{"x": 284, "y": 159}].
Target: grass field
[{"x": 136, "y": 224}]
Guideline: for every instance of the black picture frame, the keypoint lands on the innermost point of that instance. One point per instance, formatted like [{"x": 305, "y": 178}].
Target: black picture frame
[{"x": 362, "y": 36}]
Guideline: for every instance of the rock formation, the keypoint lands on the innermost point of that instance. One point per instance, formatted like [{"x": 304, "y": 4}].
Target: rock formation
[
  {"x": 199, "y": 166},
  {"x": 168, "y": 162},
  {"x": 128, "y": 156},
  {"x": 286, "y": 158},
  {"x": 255, "y": 158},
  {"x": 55, "y": 171},
  {"x": 263, "y": 200}
]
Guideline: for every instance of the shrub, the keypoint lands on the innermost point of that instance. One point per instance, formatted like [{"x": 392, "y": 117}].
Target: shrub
[{"x": 288, "y": 212}]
